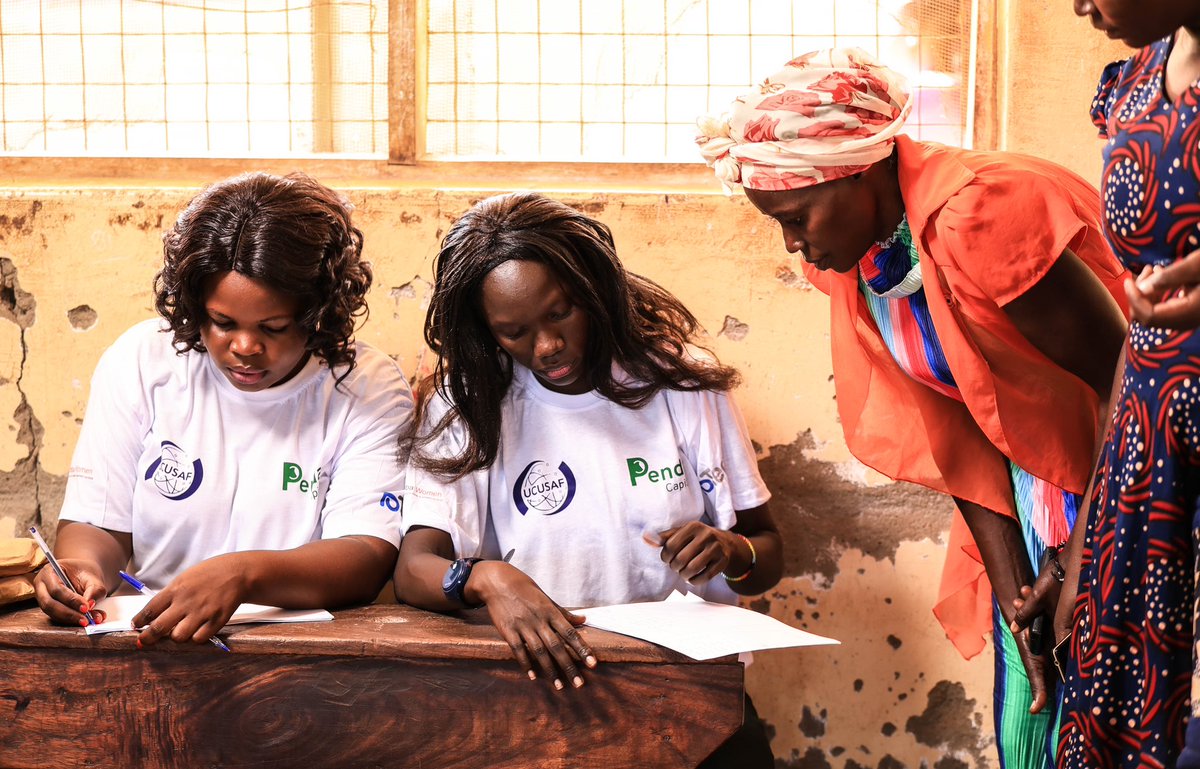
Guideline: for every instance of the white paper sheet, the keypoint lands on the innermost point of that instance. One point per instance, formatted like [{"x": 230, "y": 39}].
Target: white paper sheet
[
  {"x": 121, "y": 609},
  {"x": 700, "y": 629}
]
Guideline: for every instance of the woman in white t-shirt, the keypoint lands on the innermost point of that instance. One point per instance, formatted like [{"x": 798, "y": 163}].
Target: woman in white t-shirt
[
  {"x": 241, "y": 448},
  {"x": 570, "y": 426}
]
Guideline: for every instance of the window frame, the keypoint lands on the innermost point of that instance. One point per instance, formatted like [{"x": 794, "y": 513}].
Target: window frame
[{"x": 406, "y": 166}]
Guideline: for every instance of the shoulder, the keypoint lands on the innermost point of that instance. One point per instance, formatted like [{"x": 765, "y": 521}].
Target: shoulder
[
  {"x": 146, "y": 344},
  {"x": 371, "y": 361},
  {"x": 1122, "y": 80},
  {"x": 1007, "y": 187},
  {"x": 696, "y": 403},
  {"x": 150, "y": 335},
  {"x": 1001, "y": 232},
  {"x": 374, "y": 392},
  {"x": 374, "y": 371}
]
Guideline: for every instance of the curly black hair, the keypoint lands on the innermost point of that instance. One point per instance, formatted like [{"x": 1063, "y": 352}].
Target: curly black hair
[
  {"x": 632, "y": 321},
  {"x": 291, "y": 233}
]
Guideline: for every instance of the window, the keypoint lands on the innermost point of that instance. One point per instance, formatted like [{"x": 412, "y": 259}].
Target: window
[
  {"x": 624, "y": 80},
  {"x": 597, "y": 81},
  {"x": 225, "y": 78}
]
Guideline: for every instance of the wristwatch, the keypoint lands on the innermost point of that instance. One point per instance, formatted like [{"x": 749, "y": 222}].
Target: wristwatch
[{"x": 455, "y": 581}]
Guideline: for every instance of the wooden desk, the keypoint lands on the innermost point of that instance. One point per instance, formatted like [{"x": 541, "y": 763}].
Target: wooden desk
[{"x": 380, "y": 686}]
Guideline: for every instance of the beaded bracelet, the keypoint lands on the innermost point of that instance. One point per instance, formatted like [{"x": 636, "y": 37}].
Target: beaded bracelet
[{"x": 753, "y": 561}]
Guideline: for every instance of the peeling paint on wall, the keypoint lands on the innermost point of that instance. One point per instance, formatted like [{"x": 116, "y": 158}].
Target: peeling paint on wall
[
  {"x": 734, "y": 329},
  {"x": 792, "y": 279},
  {"x": 82, "y": 317},
  {"x": 15, "y": 225},
  {"x": 823, "y": 514},
  {"x": 948, "y": 721}
]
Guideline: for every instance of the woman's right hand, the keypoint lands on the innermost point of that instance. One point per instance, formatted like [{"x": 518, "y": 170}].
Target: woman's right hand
[
  {"x": 1040, "y": 599},
  {"x": 62, "y": 604},
  {"x": 541, "y": 634},
  {"x": 1167, "y": 297}
]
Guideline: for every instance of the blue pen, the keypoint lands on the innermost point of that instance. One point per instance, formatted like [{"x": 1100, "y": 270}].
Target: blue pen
[
  {"x": 139, "y": 586},
  {"x": 58, "y": 569}
]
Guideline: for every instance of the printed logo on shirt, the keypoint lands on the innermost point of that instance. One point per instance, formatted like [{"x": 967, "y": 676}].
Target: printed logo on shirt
[
  {"x": 711, "y": 478},
  {"x": 174, "y": 473},
  {"x": 293, "y": 475},
  {"x": 544, "y": 488},
  {"x": 390, "y": 501},
  {"x": 672, "y": 476}
]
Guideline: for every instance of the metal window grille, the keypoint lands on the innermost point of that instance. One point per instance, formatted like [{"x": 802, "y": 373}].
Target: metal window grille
[
  {"x": 624, "y": 80},
  {"x": 228, "y": 78}
]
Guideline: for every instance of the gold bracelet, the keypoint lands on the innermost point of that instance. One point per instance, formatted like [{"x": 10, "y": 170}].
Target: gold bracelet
[{"x": 753, "y": 561}]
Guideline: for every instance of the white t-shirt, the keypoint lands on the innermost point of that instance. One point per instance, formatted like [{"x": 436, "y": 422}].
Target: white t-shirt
[
  {"x": 171, "y": 451},
  {"x": 577, "y": 479}
]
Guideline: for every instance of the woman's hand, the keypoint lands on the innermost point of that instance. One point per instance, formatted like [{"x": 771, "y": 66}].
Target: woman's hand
[
  {"x": 1002, "y": 548},
  {"x": 696, "y": 551},
  {"x": 1167, "y": 297},
  {"x": 1039, "y": 600},
  {"x": 1038, "y": 668},
  {"x": 541, "y": 634},
  {"x": 91, "y": 557},
  {"x": 196, "y": 604},
  {"x": 62, "y": 604}
]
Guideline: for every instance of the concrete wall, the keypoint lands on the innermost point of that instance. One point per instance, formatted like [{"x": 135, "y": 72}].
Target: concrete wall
[{"x": 863, "y": 554}]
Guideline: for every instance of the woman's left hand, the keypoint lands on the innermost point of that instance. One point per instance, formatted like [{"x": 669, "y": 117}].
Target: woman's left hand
[
  {"x": 196, "y": 604},
  {"x": 1037, "y": 668},
  {"x": 1167, "y": 297},
  {"x": 696, "y": 551}
]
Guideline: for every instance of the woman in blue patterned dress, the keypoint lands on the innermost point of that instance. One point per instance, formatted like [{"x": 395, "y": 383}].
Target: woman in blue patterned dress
[{"x": 1133, "y": 628}]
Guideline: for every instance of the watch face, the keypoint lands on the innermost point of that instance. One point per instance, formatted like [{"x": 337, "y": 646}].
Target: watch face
[{"x": 452, "y": 575}]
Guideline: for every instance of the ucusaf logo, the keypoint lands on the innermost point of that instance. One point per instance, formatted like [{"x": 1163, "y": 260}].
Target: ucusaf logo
[
  {"x": 174, "y": 473},
  {"x": 544, "y": 488}
]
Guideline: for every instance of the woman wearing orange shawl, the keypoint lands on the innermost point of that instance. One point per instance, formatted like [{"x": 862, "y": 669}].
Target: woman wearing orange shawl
[{"x": 977, "y": 317}]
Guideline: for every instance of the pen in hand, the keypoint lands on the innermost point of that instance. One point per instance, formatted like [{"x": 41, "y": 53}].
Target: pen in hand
[
  {"x": 58, "y": 569},
  {"x": 139, "y": 586}
]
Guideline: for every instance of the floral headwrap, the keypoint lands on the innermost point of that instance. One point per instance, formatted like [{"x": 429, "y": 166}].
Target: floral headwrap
[{"x": 825, "y": 115}]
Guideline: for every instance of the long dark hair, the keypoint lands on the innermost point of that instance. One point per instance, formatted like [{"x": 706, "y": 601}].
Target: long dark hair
[
  {"x": 632, "y": 321},
  {"x": 290, "y": 233}
]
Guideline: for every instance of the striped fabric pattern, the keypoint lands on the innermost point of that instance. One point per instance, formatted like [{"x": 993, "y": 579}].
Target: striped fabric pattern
[
  {"x": 1045, "y": 512},
  {"x": 907, "y": 330}
]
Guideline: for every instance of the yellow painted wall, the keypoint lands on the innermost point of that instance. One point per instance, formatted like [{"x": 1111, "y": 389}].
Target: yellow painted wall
[{"x": 864, "y": 555}]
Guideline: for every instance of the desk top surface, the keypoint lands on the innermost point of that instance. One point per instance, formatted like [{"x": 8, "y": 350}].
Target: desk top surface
[{"x": 377, "y": 630}]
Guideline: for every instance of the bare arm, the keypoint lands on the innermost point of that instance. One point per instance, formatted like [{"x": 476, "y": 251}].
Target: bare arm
[
  {"x": 1002, "y": 546},
  {"x": 326, "y": 573},
  {"x": 425, "y": 555},
  {"x": 1072, "y": 319},
  {"x": 757, "y": 525}
]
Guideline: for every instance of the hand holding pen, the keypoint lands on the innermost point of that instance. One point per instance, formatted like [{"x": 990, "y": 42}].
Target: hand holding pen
[
  {"x": 137, "y": 585},
  {"x": 65, "y": 592}
]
